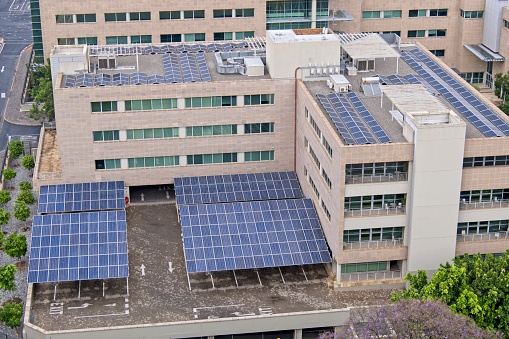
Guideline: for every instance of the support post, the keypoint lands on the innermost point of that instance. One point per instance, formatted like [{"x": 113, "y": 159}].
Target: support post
[
  {"x": 188, "y": 281},
  {"x": 55, "y": 293},
  {"x": 212, "y": 279},
  {"x": 259, "y": 280},
  {"x": 79, "y": 289},
  {"x": 281, "y": 273},
  {"x": 313, "y": 13},
  {"x": 127, "y": 285},
  {"x": 305, "y": 276},
  {"x": 235, "y": 276},
  {"x": 103, "y": 288}
]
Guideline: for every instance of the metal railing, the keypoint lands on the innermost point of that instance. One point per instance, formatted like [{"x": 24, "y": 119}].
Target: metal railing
[
  {"x": 499, "y": 203},
  {"x": 392, "y": 210},
  {"x": 364, "y": 179},
  {"x": 483, "y": 236},
  {"x": 372, "y": 244},
  {"x": 348, "y": 277}
]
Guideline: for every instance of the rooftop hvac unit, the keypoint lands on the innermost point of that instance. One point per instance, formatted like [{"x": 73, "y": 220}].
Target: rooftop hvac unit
[{"x": 340, "y": 83}]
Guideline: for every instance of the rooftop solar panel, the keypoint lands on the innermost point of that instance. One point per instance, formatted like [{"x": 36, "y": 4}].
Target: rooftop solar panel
[
  {"x": 340, "y": 126},
  {"x": 255, "y": 234},
  {"x": 368, "y": 118},
  {"x": 120, "y": 79},
  {"x": 90, "y": 196},
  {"x": 138, "y": 78},
  {"x": 102, "y": 80},
  {"x": 70, "y": 81},
  {"x": 237, "y": 187},
  {"x": 78, "y": 246}
]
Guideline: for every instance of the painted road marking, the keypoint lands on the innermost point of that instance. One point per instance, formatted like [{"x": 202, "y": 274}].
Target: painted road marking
[
  {"x": 56, "y": 308},
  {"x": 2, "y": 95},
  {"x": 85, "y": 305}
]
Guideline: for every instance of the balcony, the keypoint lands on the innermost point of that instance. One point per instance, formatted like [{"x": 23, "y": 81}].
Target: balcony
[
  {"x": 483, "y": 237},
  {"x": 391, "y": 209},
  {"x": 372, "y": 244},
  {"x": 497, "y": 203},
  {"x": 363, "y": 276},
  {"x": 369, "y": 179}
]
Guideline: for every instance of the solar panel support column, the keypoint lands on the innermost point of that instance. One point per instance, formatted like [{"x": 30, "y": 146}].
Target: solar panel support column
[
  {"x": 55, "y": 293},
  {"x": 258, "y": 275},
  {"x": 304, "y": 272},
  {"x": 281, "y": 273},
  {"x": 103, "y": 288},
  {"x": 79, "y": 289},
  {"x": 212, "y": 279},
  {"x": 127, "y": 284},
  {"x": 235, "y": 276},
  {"x": 188, "y": 281}
]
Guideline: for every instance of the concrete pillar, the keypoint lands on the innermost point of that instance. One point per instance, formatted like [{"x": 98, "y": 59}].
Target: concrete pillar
[
  {"x": 121, "y": 106},
  {"x": 181, "y": 103},
  {"x": 240, "y": 129},
  {"x": 124, "y": 164},
  {"x": 297, "y": 334},
  {"x": 182, "y": 132},
  {"x": 122, "y": 135},
  {"x": 240, "y": 100},
  {"x": 313, "y": 13},
  {"x": 240, "y": 157},
  {"x": 182, "y": 160}
]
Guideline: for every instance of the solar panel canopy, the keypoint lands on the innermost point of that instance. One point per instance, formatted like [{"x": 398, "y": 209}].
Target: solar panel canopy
[
  {"x": 78, "y": 246},
  {"x": 254, "y": 234},
  {"x": 90, "y": 196},
  {"x": 237, "y": 187}
]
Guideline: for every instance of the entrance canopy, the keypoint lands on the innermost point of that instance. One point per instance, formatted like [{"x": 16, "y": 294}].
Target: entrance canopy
[{"x": 484, "y": 53}]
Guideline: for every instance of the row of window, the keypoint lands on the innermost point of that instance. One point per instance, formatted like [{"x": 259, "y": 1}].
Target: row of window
[
  {"x": 146, "y": 16},
  {"x": 223, "y": 36},
  {"x": 376, "y": 168},
  {"x": 414, "y": 13},
  {"x": 364, "y": 267},
  {"x": 77, "y": 41},
  {"x": 484, "y": 195},
  {"x": 369, "y": 202},
  {"x": 317, "y": 193},
  {"x": 381, "y": 14},
  {"x": 133, "y": 39},
  {"x": 499, "y": 160},
  {"x": 480, "y": 227},
  {"x": 373, "y": 234},
  {"x": 313, "y": 123},
  {"x": 322, "y": 171},
  {"x": 150, "y": 104},
  {"x": 197, "y": 159},
  {"x": 471, "y": 14},
  {"x": 506, "y": 23},
  {"x": 473, "y": 77},
  {"x": 438, "y": 52},
  {"x": 422, "y": 33}
]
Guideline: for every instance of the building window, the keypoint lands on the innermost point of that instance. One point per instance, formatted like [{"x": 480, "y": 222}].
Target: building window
[
  {"x": 259, "y": 156},
  {"x": 116, "y": 40},
  {"x": 66, "y": 41},
  {"x": 313, "y": 155},
  {"x": 414, "y": 13},
  {"x": 313, "y": 186},
  {"x": 169, "y": 15},
  {"x": 141, "y": 39},
  {"x": 471, "y": 14},
  {"x": 218, "y": 158},
  {"x": 152, "y": 133},
  {"x": 480, "y": 227},
  {"x": 438, "y": 12},
  {"x": 328, "y": 148},
  {"x": 266, "y": 127},
  {"x": 244, "y": 35},
  {"x": 315, "y": 126},
  {"x": 499, "y": 160},
  {"x": 326, "y": 178},
  {"x": 201, "y": 102},
  {"x": 203, "y": 131},
  {"x": 436, "y": 32},
  {"x": 220, "y": 36},
  {"x": 376, "y": 169},
  {"x": 106, "y": 135},
  {"x": 392, "y": 14},
  {"x": 438, "y": 52},
  {"x": 325, "y": 210},
  {"x": 200, "y": 14},
  {"x": 417, "y": 33},
  {"x": 370, "y": 202},
  {"x": 171, "y": 37},
  {"x": 244, "y": 12},
  {"x": 65, "y": 19},
  {"x": 506, "y": 23},
  {"x": 87, "y": 41},
  {"x": 107, "y": 164},
  {"x": 115, "y": 17},
  {"x": 148, "y": 162},
  {"x": 139, "y": 16},
  {"x": 150, "y": 104},
  {"x": 484, "y": 195},
  {"x": 85, "y": 18},
  {"x": 364, "y": 267},
  {"x": 223, "y": 13},
  {"x": 104, "y": 106},
  {"x": 190, "y": 37},
  {"x": 373, "y": 234},
  {"x": 259, "y": 99},
  {"x": 473, "y": 77},
  {"x": 371, "y": 14}
]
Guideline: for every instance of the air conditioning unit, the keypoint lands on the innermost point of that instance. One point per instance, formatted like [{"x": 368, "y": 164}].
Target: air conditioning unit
[{"x": 340, "y": 83}]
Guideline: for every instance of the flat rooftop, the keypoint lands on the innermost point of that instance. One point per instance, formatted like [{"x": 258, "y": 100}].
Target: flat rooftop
[{"x": 161, "y": 296}]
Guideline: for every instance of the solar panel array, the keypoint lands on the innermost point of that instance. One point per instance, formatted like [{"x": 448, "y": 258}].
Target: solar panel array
[
  {"x": 92, "y": 196},
  {"x": 162, "y": 49},
  {"x": 78, "y": 246},
  {"x": 236, "y": 187},
  {"x": 255, "y": 234},
  {"x": 474, "y": 110},
  {"x": 352, "y": 119}
]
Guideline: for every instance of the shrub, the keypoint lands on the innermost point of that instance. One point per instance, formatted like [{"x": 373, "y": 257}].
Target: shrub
[
  {"x": 11, "y": 314},
  {"x": 25, "y": 185},
  {"x": 21, "y": 211},
  {"x": 7, "y": 277},
  {"x": 26, "y": 196},
  {"x": 15, "y": 245},
  {"x": 5, "y": 196},
  {"x": 15, "y": 149},
  {"x": 4, "y": 217},
  {"x": 28, "y": 162},
  {"x": 9, "y": 173}
]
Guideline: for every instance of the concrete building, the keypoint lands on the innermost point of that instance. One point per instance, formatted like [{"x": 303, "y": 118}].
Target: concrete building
[{"x": 406, "y": 164}]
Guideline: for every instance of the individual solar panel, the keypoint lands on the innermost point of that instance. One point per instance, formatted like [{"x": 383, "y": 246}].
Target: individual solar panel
[
  {"x": 155, "y": 79},
  {"x": 138, "y": 78},
  {"x": 189, "y": 68},
  {"x": 249, "y": 235},
  {"x": 91, "y": 196},
  {"x": 355, "y": 125},
  {"x": 237, "y": 187},
  {"x": 397, "y": 79},
  {"x": 202, "y": 66},
  {"x": 171, "y": 66},
  {"x": 333, "y": 115},
  {"x": 368, "y": 118},
  {"x": 384, "y": 80},
  {"x": 84, "y": 80},
  {"x": 102, "y": 80},
  {"x": 70, "y": 81},
  {"x": 78, "y": 246},
  {"x": 120, "y": 79}
]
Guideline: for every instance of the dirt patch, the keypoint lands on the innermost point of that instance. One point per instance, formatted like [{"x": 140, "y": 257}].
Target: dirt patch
[
  {"x": 50, "y": 162},
  {"x": 307, "y": 31},
  {"x": 14, "y": 300}
]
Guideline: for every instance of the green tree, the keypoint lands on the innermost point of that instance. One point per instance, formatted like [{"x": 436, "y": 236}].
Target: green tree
[
  {"x": 7, "y": 277},
  {"x": 25, "y": 185},
  {"x": 28, "y": 162},
  {"x": 9, "y": 173},
  {"x": 26, "y": 196},
  {"x": 5, "y": 216},
  {"x": 21, "y": 211},
  {"x": 11, "y": 314},
  {"x": 1, "y": 239},
  {"x": 471, "y": 285},
  {"x": 15, "y": 149},
  {"x": 15, "y": 245},
  {"x": 5, "y": 196},
  {"x": 42, "y": 93},
  {"x": 501, "y": 90}
]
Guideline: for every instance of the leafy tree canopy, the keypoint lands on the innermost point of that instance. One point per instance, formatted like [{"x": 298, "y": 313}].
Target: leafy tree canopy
[
  {"x": 28, "y": 162},
  {"x": 4, "y": 216},
  {"x": 21, "y": 211},
  {"x": 9, "y": 173},
  {"x": 5, "y": 196},
  {"x": 15, "y": 148},
  {"x": 11, "y": 314},
  {"x": 15, "y": 245},
  {"x": 26, "y": 196},
  {"x": 25, "y": 185},
  {"x": 7, "y": 277},
  {"x": 42, "y": 92}
]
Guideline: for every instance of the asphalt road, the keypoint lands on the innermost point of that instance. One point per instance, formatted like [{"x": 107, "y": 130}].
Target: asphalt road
[{"x": 15, "y": 28}]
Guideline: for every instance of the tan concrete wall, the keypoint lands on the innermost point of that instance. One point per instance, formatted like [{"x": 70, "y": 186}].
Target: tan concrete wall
[
  {"x": 75, "y": 124},
  {"x": 375, "y": 254},
  {"x": 472, "y": 247}
]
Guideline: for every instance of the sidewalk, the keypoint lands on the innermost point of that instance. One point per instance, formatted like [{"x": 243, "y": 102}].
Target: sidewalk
[{"x": 12, "y": 109}]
